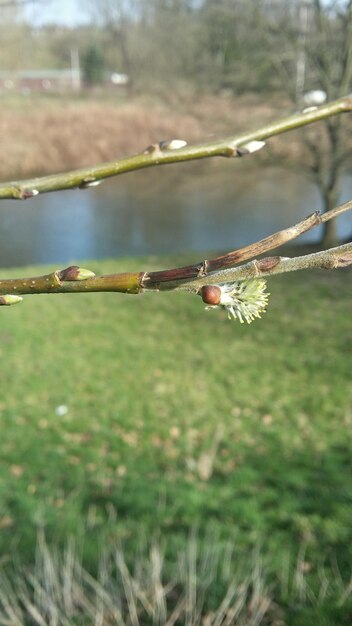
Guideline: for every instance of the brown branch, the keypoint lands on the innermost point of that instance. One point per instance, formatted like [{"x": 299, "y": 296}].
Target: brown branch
[
  {"x": 333, "y": 258},
  {"x": 192, "y": 277},
  {"x": 156, "y": 279}
]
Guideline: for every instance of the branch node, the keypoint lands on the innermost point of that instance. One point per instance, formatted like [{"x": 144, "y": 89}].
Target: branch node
[
  {"x": 24, "y": 194},
  {"x": 318, "y": 217},
  {"x": 89, "y": 182},
  {"x": 144, "y": 279},
  {"x": 203, "y": 269},
  {"x": 343, "y": 261},
  {"x": 153, "y": 149}
]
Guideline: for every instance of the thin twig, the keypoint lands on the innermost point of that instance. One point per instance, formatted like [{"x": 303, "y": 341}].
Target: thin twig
[
  {"x": 219, "y": 270},
  {"x": 333, "y": 258},
  {"x": 163, "y": 153},
  {"x": 155, "y": 280},
  {"x": 342, "y": 208}
]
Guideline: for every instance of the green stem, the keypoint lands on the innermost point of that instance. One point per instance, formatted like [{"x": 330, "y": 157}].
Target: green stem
[
  {"x": 54, "y": 283},
  {"x": 161, "y": 154}
]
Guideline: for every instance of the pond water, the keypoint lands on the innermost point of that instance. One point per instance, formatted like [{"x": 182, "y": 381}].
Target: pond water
[{"x": 198, "y": 207}]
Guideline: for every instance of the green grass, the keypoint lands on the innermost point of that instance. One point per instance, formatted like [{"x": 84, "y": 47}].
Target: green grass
[{"x": 178, "y": 418}]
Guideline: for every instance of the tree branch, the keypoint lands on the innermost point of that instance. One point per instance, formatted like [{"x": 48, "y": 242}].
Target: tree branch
[
  {"x": 333, "y": 258},
  {"x": 192, "y": 277},
  {"x": 165, "y": 152}
]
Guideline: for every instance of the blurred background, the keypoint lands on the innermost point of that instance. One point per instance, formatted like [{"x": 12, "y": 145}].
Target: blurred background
[
  {"x": 101, "y": 80},
  {"x": 189, "y": 465}
]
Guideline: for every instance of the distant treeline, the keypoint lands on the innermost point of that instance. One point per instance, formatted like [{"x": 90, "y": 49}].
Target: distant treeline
[{"x": 209, "y": 45}]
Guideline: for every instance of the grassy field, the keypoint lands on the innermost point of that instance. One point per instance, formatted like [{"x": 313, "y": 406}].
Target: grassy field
[{"x": 126, "y": 417}]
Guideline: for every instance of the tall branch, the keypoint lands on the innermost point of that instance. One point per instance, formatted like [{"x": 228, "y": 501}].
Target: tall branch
[{"x": 163, "y": 153}]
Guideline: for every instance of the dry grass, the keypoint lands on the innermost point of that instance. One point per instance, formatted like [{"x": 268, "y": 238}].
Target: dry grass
[
  {"x": 41, "y": 135},
  {"x": 53, "y": 135},
  {"x": 58, "y": 591}
]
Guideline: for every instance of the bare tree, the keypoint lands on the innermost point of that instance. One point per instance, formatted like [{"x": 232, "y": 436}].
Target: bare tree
[
  {"x": 331, "y": 57},
  {"x": 312, "y": 53}
]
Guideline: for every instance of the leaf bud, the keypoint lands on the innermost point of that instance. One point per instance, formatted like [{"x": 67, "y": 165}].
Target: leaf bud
[
  {"x": 211, "y": 294},
  {"x": 7, "y": 300},
  {"x": 74, "y": 272},
  {"x": 173, "y": 144}
]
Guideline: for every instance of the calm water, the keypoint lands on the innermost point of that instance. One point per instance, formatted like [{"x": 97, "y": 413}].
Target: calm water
[{"x": 189, "y": 208}]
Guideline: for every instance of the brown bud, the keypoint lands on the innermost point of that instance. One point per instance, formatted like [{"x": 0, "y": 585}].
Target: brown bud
[
  {"x": 268, "y": 263},
  {"x": 211, "y": 294},
  {"x": 75, "y": 273},
  {"x": 70, "y": 273}
]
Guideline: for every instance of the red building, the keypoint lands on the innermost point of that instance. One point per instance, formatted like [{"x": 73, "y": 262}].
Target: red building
[{"x": 39, "y": 80}]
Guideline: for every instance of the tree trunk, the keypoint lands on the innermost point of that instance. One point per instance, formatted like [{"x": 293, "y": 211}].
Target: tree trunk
[{"x": 329, "y": 237}]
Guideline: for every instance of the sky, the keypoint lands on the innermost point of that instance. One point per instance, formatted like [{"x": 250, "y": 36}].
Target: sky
[
  {"x": 68, "y": 12},
  {"x": 59, "y": 11}
]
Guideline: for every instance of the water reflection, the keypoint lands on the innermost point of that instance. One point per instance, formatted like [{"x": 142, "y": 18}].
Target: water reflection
[{"x": 189, "y": 208}]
